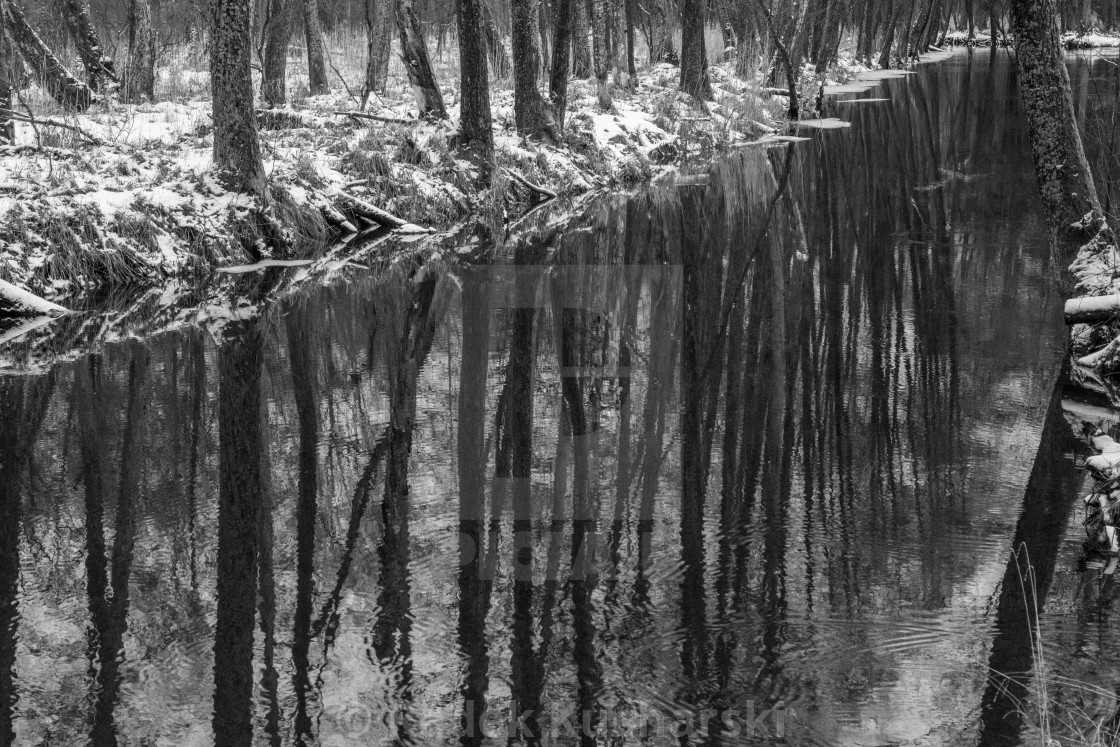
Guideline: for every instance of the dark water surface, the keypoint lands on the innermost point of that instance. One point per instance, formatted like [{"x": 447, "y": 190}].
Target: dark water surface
[{"x": 719, "y": 464}]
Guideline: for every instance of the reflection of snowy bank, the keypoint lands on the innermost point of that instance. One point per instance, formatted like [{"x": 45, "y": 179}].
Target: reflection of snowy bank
[{"x": 1070, "y": 40}]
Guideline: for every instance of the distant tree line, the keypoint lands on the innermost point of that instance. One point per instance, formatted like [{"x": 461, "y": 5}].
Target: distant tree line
[{"x": 539, "y": 44}]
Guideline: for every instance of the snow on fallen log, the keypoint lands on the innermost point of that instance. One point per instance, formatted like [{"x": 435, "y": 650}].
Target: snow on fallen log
[
  {"x": 18, "y": 302},
  {"x": 1092, "y": 309}
]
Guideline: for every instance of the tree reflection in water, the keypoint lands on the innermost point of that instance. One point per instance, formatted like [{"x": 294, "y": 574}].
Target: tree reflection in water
[{"x": 703, "y": 451}]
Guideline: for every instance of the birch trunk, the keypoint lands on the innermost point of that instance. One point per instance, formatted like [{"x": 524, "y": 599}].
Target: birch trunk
[{"x": 429, "y": 101}]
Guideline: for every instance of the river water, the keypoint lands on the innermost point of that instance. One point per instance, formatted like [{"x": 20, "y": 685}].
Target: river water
[{"x": 738, "y": 460}]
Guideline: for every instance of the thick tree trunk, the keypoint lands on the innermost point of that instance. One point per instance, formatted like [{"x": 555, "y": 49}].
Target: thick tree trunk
[
  {"x": 616, "y": 17},
  {"x": 581, "y": 47},
  {"x": 415, "y": 53},
  {"x": 316, "y": 61},
  {"x": 237, "y": 150},
  {"x": 531, "y": 111},
  {"x": 597, "y": 13},
  {"x": 63, "y": 87},
  {"x": 475, "y": 121},
  {"x": 141, "y": 76},
  {"x": 561, "y": 53},
  {"x": 99, "y": 68},
  {"x": 1064, "y": 178},
  {"x": 277, "y": 35},
  {"x": 9, "y": 79},
  {"x": 694, "y": 54},
  {"x": 379, "y": 35},
  {"x": 631, "y": 7}
]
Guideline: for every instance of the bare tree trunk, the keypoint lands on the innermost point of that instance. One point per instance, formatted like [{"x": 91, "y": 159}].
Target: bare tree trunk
[
  {"x": 475, "y": 118},
  {"x": 597, "y": 12},
  {"x": 277, "y": 35},
  {"x": 499, "y": 59},
  {"x": 561, "y": 53},
  {"x": 237, "y": 150},
  {"x": 581, "y": 48},
  {"x": 531, "y": 111},
  {"x": 9, "y": 79},
  {"x": 316, "y": 63},
  {"x": 63, "y": 87},
  {"x": 694, "y": 53},
  {"x": 1064, "y": 178},
  {"x": 415, "y": 53},
  {"x": 631, "y": 7},
  {"x": 662, "y": 49},
  {"x": 616, "y": 17},
  {"x": 99, "y": 68},
  {"x": 379, "y": 34},
  {"x": 141, "y": 75}
]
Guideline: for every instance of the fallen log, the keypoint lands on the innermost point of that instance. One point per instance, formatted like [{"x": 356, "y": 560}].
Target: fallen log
[
  {"x": 1092, "y": 309},
  {"x": 15, "y": 301},
  {"x": 359, "y": 208},
  {"x": 375, "y": 117}
]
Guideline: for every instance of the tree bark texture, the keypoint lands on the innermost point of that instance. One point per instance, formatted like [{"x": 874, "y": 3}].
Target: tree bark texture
[
  {"x": 415, "y": 53},
  {"x": 63, "y": 87},
  {"x": 316, "y": 62},
  {"x": 379, "y": 35},
  {"x": 99, "y": 68},
  {"x": 1064, "y": 178},
  {"x": 561, "y": 54},
  {"x": 662, "y": 49},
  {"x": 581, "y": 47},
  {"x": 9, "y": 79},
  {"x": 531, "y": 111},
  {"x": 473, "y": 78},
  {"x": 618, "y": 43},
  {"x": 597, "y": 13},
  {"x": 237, "y": 150},
  {"x": 277, "y": 35},
  {"x": 141, "y": 78},
  {"x": 694, "y": 54}
]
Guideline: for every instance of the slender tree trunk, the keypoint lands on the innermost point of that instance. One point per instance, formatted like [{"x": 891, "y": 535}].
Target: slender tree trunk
[
  {"x": 141, "y": 77},
  {"x": 9, "y": 77},
  {"x": 429, "y": 101},
  {"x": 694, "y": 54},
  {"x": 237, "y": 150},
  {"x": 316, "y": 61},
  {"x": 531, "y": 111},
  {"x": 63, "y": 87},
  {"x": 662, "y": 49},
  {"x": 495, "y": 47},
  {"x": 379, "y": 35},
  {"x": 631, "y": 64},
  {"x": 1064, "y": 178},
  {"x": 475, "y": 119},
  {"x": 597, "y": 13},
  {"x": 99, "y": 68},
  {"x": 277, "y": 35},
  {"x": 561, "y": 54},
  {"x": 617, "y": 20},
  {"x": 581, "y": 48}
]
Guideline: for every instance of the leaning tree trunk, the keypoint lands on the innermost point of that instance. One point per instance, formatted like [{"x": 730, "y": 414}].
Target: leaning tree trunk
[
  {"x": 99, "y": 68},
  {"x": 561, "y": 53},
  {"x": 531, "y": 112},
  {"x": 1064, "y": 178},
  {"x": 694, "y": 54},
  {"x": 379, "y": 35},
  {"x": 581, "y": 48},
  {"x": 415, "y": 54},
  {"x": 237, "y": 150},
  {"x": 475, "y": 82},
  {"x": 597, "y": 12},
  {"x": 63, "y": 87},
  {"x": 277, "y": 37},
  {"x": 316, "y": 65},
  {"x": 141, "y": 77}
]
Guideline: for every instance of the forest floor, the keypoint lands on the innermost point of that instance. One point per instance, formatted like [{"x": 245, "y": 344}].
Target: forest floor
[{"x": 123, "y": 195}]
